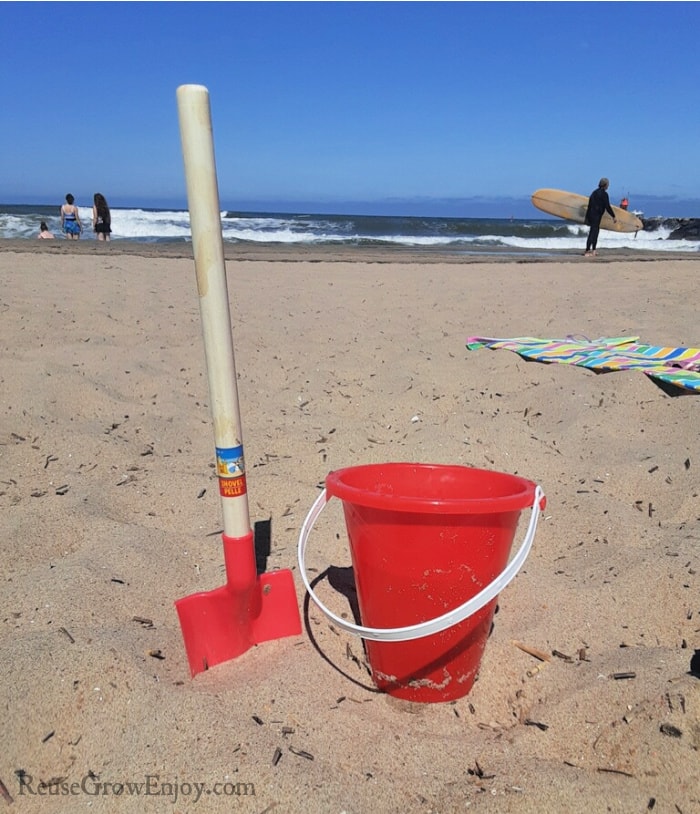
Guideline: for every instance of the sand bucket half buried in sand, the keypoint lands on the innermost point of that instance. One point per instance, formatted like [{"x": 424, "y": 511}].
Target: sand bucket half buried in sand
[{"x": 430, "y": 546}]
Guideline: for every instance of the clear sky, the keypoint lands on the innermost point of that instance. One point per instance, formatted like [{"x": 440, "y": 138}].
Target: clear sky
[{"x": 410, "y": 107}]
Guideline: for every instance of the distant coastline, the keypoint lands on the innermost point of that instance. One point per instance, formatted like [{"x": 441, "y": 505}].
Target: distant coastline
[{"x": 476, "y": 206}]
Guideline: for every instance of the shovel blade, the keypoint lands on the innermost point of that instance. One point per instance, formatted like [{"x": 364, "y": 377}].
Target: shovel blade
[{"x": 220, "y": 625}]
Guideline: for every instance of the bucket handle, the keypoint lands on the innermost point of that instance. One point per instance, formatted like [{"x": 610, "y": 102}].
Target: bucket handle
[{"x": 449, "y": 619}]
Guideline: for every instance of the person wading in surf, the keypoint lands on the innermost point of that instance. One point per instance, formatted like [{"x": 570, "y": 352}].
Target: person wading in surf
[
  {"x": 70, "y": 219},
  {"x": 598, "y": 205}
]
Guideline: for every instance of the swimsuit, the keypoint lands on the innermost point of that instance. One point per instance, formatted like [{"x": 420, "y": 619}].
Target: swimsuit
[
  {"x": 103, "y": 223},
  {"x": 103, "y": 226},
  {"x": 70, "y": 224}
]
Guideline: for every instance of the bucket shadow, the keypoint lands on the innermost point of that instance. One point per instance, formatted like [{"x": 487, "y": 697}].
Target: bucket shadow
[
  {"x": 695, "y": 664},
  {"x": 343, "y": 581}
]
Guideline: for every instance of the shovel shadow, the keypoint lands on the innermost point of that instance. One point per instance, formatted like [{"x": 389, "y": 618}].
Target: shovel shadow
[{"x": 262, "y": 535}]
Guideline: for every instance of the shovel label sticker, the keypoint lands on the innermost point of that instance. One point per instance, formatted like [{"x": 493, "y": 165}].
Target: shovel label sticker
[
  {"x": 232, "y": 487},
  {"x": 230, "y": 467}
]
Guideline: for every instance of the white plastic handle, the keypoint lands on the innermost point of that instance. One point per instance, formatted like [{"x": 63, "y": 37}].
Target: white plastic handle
[{"x": 453, "y": 617}]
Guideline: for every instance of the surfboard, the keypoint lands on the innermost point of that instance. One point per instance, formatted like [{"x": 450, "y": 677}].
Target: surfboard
[{"x": 570, "y": 206}]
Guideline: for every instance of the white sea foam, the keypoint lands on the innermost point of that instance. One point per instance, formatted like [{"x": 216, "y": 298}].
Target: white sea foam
[{"x": 656, "y": 241}]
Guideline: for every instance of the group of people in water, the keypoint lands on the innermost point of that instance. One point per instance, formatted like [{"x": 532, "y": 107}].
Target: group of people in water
[{"x": 71, "y": 224}]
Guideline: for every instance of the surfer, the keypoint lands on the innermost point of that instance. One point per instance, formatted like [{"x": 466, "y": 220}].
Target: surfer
[{"x": 598, "y": 205}]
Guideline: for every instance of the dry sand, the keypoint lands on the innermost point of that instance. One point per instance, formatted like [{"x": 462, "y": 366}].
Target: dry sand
[{"x": 110, "y": 512}]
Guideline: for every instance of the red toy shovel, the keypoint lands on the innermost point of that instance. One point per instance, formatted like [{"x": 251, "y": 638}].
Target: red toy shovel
[{"x": 221, "y": 624}]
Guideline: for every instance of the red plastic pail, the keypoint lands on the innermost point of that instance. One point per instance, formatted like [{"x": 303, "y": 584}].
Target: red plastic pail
[{"x": 425, "y": 540}]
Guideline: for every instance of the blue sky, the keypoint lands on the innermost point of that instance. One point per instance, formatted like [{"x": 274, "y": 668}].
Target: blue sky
[{"x": 413, "y": 108}]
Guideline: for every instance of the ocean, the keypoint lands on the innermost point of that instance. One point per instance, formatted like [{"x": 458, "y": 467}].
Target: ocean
[{"x": 466, "y": 235}]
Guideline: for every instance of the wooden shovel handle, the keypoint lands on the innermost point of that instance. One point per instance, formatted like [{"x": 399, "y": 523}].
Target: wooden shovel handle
[{"x": 207, "y": 242}]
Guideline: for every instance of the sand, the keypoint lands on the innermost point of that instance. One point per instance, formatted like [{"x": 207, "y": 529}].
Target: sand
[{"x": 110, "y": 512}]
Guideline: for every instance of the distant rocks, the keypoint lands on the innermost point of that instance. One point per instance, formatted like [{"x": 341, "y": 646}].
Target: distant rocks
[
  {"x": 681, "y": 228},
  {"x": 687, "y": 230}
]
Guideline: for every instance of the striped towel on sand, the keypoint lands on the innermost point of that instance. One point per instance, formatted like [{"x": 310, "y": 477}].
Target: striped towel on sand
[{"x": 677, "y": 366}]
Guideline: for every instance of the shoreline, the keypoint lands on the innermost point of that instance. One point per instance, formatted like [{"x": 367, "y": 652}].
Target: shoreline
[{"x": 293, "y": 253}]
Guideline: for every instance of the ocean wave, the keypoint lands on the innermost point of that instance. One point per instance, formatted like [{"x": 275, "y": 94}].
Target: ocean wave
[{"x": 169, "y": 225}]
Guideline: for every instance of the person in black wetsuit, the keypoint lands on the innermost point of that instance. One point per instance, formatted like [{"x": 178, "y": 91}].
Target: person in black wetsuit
[{"x": 598, "y": 205}]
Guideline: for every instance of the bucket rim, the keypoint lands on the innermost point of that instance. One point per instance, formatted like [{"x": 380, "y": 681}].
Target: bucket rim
[{"x": 521, "y": 497}]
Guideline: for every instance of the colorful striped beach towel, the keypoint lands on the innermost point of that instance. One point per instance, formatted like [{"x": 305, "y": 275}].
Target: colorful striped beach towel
[{"x": 679, "y": 367}]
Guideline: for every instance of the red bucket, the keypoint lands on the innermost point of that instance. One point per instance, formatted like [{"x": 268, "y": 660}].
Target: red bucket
[{"x": 430, "y": 547}]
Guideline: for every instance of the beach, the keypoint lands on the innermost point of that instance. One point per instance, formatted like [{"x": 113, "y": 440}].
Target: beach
[{"x": 110, "y": 513}]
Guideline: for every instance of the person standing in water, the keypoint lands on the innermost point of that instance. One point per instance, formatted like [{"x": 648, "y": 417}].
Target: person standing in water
[
  {"x": 598, "y": 205},
  {"x": 101, "y": 217},
  {"x": 70, "y": 219}
]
